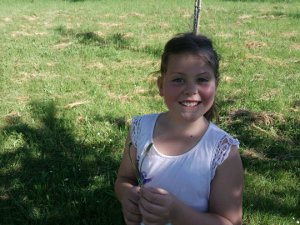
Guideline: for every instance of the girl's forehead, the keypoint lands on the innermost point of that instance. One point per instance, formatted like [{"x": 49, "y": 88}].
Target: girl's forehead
[
  {"x": 187, "y": 63},
  {"x": 187, "y": 58}
]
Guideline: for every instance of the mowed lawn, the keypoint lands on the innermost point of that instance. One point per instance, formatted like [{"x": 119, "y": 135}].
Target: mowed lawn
[{"x": 73, "y": 74}]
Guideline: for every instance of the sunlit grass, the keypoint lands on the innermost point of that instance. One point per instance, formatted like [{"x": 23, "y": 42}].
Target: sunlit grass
[{"x": 73, "y": 74}]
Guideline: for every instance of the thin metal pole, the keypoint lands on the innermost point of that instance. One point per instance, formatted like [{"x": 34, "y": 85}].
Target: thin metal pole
[{"x": 197, "y": 11}]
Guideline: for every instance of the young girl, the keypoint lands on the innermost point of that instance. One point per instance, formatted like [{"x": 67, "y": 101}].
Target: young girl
[{"x": 178, "y": 167}]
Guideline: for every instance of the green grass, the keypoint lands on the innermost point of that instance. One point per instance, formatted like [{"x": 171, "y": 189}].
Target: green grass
[{"x": 73, "y": 73}]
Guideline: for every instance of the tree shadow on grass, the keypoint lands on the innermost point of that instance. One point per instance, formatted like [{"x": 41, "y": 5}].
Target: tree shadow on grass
[
  {"x": 272, "y": 151},
  {"x": 117, "y": 40},
  {"x": 53, "y": 178}
]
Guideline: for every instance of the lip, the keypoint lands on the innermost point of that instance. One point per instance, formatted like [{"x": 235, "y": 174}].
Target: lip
[{"x": 189, "y": 103}]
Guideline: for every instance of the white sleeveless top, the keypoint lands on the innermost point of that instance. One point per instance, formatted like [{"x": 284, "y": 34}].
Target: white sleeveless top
[{"x": 187, "y": 176}]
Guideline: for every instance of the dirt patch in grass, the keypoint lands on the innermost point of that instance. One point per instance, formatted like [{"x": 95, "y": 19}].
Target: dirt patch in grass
[
  {"x": 140, "y": 91},
  {"x": 265, "y": 118},
  {"x": 270, "y": 61},
  {"x": 135, "y": 63},
  {"x": 251, "y": 153},
  {"x": 62, "y": 45},
  {"x": 30, "y": 18},
  {"x": 296, "y": 106},
  {"x": 258, "y": 77},
  {"x": 251, "y": 33},
  {"x": 95, "y": 65},
  {"x": 228, "y": 79},
  {"x": 16, "y": 34},
  {"x": 121, "y": 98},
  {"x": 289, "y": 34},
  {"x": 26, "y": 76},
  {"x": 225, "y": 35},
  {"x": 270, "y": 94},
  {"x": 23, "y": 98},
  {"x": 245, "y": 17},
  {"x": 267, "y": 17},
  {"x": 76, "y": 104},
  {"x": 12, "y": 118},
  {"x": 51, "y": 64},
  {"x": 109, "y": 25},
  {"x": 255, "y": 44},
  {"x": 132, "y": 14},
  {"x": 7, "y": 19},
  {"x": 295, "y": 47}
]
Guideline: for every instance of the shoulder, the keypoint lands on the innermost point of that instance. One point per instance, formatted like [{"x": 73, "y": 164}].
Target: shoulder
[
  {"x": 222, "y": 137},
  {"x": 141, "y": 127},
  {"x": 138, "y": 121},
  {"x": 216, "y": 129},
  {"x": 224, "y": 144},
  {"x": 144, "y": 117}
]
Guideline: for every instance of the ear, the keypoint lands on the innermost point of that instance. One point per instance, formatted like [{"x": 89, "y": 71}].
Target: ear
[{"x": 160, "y": 85}]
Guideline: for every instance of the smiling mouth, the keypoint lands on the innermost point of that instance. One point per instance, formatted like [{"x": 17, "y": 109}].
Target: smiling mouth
[{"x": 190, "y": 103}]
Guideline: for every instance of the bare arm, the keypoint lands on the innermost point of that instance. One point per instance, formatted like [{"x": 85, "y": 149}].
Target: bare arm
[
  {"x": 126, "y": 175},
  {"x": 126, "y": 188},
  {"x": 225, "y": 202},
  {"x": 227, "y": 189}
]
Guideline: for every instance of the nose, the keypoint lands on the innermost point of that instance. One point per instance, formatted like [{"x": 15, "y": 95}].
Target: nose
[{"x": 191, "y": 89}]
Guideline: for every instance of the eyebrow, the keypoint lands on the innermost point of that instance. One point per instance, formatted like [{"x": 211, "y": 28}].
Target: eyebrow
[{"x": 180, "y": 73}]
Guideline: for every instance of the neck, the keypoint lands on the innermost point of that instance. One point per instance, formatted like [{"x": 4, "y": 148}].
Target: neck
[{"x": 184, "y": 126}]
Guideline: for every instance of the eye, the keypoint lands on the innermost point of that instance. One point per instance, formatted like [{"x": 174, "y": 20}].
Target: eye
[
  {"x": 178, "y": 80},
  {"x": 202, "y": 80}
]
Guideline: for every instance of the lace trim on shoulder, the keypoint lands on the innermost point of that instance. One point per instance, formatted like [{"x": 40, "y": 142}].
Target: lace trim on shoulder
[
  {"x": 135, "y": 130},
  {"x": 222, "y": 151}
]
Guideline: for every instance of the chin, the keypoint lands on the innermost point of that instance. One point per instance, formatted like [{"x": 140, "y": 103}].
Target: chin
[{"x": 191, "y": 118}]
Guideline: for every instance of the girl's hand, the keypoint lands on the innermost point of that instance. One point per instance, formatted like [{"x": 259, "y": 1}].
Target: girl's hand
[
  {"x": 131, "y": 212},
  {"x": 156, "y": 205}
]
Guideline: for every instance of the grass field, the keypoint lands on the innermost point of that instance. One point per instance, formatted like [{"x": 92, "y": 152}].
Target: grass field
[{"x": 73, "y": 73}]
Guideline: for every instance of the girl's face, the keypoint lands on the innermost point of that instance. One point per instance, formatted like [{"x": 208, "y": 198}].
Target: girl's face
[{"x": 188, "y": 86}]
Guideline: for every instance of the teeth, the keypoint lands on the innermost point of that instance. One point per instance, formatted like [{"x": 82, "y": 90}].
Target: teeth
[{"x": 189, "y": 104}]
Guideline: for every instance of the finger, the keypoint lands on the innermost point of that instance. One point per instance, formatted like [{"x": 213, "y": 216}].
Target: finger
[
  {"x": 154, "y": 190},
  {"x": 132, "y": 222},
  {"x": 153, "y": 196},
  {"x": 134, "y": 194},
  {"x": 138, "y": 188},
  {"x": 131, "y": 208},
  {"x": 132, "y": 217},
  {"x": 134, "y": 201},
  {"x": 148, "y": 216},
  {"x": 150, "y": 207}
]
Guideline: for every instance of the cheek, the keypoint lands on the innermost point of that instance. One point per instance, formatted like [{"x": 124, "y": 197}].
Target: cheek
[
  {"x": 208, "y": 92},
  {"x": 171, "y": 94}
]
